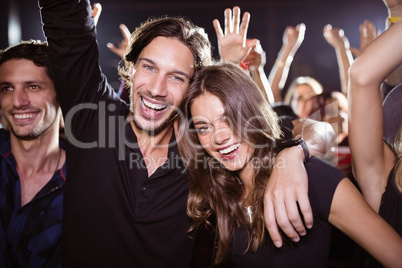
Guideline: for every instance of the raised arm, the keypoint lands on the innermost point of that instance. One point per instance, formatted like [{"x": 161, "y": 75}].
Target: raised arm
[
  {"x": 96, "y": 12},
  {"x": 337, "y": 39},
  {"x": 372, "y": 158},
  {"x": 120, "y": 50},
  {"x": 291, "y": 41},
  {"x": 287, "y": 187},
  {"x": 256, "y": 59},
  {"x": 73, "y": 53},
  {"x": 394, "y": 8}
]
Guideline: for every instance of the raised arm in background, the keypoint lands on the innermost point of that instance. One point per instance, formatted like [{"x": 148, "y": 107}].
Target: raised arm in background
[
  {"x": 291, "y": 41},
  {"x": 368, "y": 32},
  {"x": 394, "y": 8},
  {"x": 120, "y": 50},
  {"x": 232, "y": 40},
  {"x": 234, "y": 47},
  {"x": 337, "y": 39},
  {"x": 256, "y": 60},
  {"x": 372, "y": 158}
]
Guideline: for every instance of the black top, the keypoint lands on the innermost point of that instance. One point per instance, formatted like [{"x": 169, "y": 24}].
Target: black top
[
  {"x": 114, "y": 215},
  {"x": 313, "y": 249},
  {"x": 391, "y": 210}
]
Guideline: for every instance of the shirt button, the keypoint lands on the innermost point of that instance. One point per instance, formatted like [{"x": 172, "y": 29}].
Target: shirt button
[{"x": 143, "y": 188}]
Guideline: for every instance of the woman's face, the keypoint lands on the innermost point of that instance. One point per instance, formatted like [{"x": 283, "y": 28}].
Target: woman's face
[
  {"x": 301, "y": 102},
  {"x": 216, "y": 135}
]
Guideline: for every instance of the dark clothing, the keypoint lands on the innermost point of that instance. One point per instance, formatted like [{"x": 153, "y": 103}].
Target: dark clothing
[
  {"x": 391, "y": 211},
  {"x": 313, "y": 249},
  {"x": 114, "y": 214},
  {"x": 29, "y": 235},
  {"x": 391, "y": 204}
]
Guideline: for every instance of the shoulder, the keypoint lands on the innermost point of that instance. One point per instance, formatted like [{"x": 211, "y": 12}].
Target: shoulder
[
  {"x": 323, "y": 179},
  {"x": 4, "y": 141},
  {"x": 317, "y": 167}
]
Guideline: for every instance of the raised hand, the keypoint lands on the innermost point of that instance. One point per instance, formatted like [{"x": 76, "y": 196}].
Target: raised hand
[
  {"x": 338, "y": 40},
  {"x": 256, "y": 58},
  {"x": 121, "y": 49},
  {"x": 294, "y": 36},
  {"x": 96, "y": 11},
  {"x": 232, "y": 41},
  {"x": 368, "y": 33},
  {"x": 335, "y": 37}
]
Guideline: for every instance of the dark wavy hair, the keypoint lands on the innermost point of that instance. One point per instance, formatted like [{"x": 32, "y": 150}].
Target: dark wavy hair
[
  {"x": 33, "y": 50},
  {"x": 182, "y": 29},
  {"x": 216, "y": 196}
]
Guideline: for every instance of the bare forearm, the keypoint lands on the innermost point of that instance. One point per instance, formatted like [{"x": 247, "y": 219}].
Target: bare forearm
[
  {"x": 261, "y": 80},
  {"x": 344, "y": 59},
  {"x": 279, "y": 72}
]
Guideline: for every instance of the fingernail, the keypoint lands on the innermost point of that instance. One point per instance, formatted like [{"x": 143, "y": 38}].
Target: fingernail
[
  {"x": 277, "y": 244},
  {"x": 302, "y": 233},
  {"x": 109, "y": 45},
  {"x": 309, "y": 226},
  {"x": 296, "y": 239}
]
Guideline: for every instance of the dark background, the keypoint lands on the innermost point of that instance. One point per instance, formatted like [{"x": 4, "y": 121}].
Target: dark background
[{"x": 269, "y": 18}]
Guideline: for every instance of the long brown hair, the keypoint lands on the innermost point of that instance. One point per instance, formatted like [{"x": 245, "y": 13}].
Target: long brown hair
[{"x": 216, "y": 196}]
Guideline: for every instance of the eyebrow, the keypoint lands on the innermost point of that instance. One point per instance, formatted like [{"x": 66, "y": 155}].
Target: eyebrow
[
  {"x": 199, "y": 122},
  {"x": 175, "y": 71},
  {"x": 29, "y": 82}
]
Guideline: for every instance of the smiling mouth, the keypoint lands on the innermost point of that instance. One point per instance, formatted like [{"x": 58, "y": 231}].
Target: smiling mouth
[
  {"x": 153, "y": 106},
  {"x": 23, "y": 116},
  {"x": 230, "y": 149}
]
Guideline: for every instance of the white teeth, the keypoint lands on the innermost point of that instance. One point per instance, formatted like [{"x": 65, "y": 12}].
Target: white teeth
[
  {"x": 153, "y": 106},
  {"x": 229, "y": 149},
  {"x": 23, "y": 116}
]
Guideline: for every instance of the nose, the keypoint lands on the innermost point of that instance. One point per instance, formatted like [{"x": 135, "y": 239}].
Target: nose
[
  {"x": 20, "y": 98},
  {"x": 222, "y": 135},
  {"x": 158, "y": 86}
]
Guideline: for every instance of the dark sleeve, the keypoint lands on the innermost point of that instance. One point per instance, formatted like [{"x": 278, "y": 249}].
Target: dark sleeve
[
  {"x": 323, "y": 179},
  {"x": 73, "y": 59}
]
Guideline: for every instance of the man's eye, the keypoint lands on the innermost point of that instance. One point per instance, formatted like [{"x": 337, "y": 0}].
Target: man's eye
[
  {"x": 149, "y": 68},
  {"x": 178, "y": 78},
  {"x": 5, "y": 89},
  {"x": 33, "y": 87}
]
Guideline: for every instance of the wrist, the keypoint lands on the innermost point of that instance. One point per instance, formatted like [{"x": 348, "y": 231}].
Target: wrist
[
  {"x": 298, "y": 143},
  {"x": 393, "y": 20}
]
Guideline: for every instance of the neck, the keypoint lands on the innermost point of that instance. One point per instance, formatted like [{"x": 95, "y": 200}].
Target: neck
[
  {"x": 154, "y": 148},
  {"x": 150, "y": 143},
  {"x": 38, "y": 155},
  {"x": 247, "y": 177}
]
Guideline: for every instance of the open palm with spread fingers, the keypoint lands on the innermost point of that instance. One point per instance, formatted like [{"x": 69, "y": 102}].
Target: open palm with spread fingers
[{"x": 232, "y": 41}]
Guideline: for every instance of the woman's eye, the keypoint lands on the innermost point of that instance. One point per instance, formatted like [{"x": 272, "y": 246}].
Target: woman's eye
[{"x": 202, "y": 130}]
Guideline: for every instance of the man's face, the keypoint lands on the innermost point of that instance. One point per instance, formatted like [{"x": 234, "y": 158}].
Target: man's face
[
  {"x": 27, "y": 98},
  {"x": 160, "y": 80}
]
